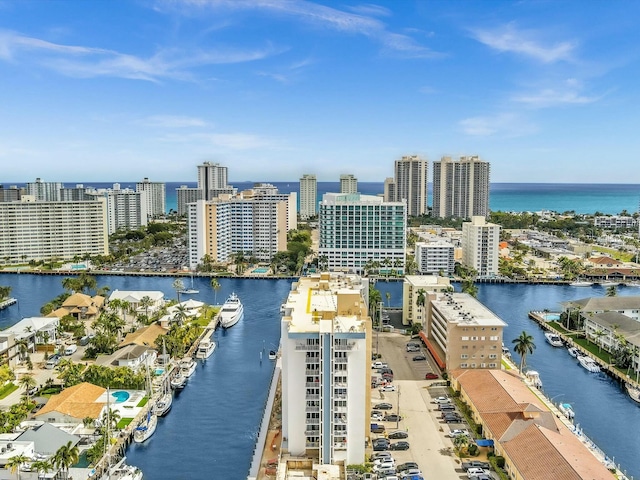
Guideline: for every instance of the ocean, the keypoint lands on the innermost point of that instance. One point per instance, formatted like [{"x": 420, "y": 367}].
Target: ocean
[{"x": 516, "y": 197}]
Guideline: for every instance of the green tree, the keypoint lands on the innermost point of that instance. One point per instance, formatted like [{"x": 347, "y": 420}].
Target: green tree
[
  {"x": 66, "y": 456},
  {"x": 612, "y": 291},
  {"x": 523, "y": 345},
  {"x": 28, "y": 382},
  {"x": 421, "y": 297},
  {"x": 42, "y": 467},
  {"x": 14, "y": 463},
  {"x": 4, "y": 292},
  {"x": 598, "y": 334},
  {"x": 215, "y": 285}
]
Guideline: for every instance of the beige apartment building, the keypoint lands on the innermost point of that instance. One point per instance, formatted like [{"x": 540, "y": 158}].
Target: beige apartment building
[
  {"x": 462, "y": 333},
  {"x": 413, "y": 284}
]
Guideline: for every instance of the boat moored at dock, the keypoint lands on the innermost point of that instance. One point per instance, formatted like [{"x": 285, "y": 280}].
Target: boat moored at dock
[
  {"x": 633, "y": 391},
  {"x": 205, "y": 348},
  {"x": 532, "y": 377},
  {"x": 147, "y": 428},
  {"x": 553, "y": 339},
  {"x": 232, "y": 311},
  {"x": 567, "y": 410},
  {"x": 589, "y": 364}
]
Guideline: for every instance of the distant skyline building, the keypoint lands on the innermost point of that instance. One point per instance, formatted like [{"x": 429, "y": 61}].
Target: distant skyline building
[
  {"x": 308, "y": 196},
  {"x": 126, "y": 209},
  {"x": 356, "y": 229},
  {"x": 480, "y": 245},
  {"x": 40, "y": 230},
  {"x": 348, "y": 183},
  {"x": 44, "y": 191},
  {"x": 186, "y": 195},
  {"x": 326, "y": 355},
  {"x": 435, "y": 255},
  {"x": 411, "y": 177},
  {"x": 74, "y": 194},
  {"x": 460, "y": 187},
  {"x": 11, "y": 193},
  {"x": 211, "y": 178},
  {"x": 156, "y": 196}
]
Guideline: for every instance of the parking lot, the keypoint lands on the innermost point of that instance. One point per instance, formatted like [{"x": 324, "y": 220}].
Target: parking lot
[{"x": 414, "y": 400}]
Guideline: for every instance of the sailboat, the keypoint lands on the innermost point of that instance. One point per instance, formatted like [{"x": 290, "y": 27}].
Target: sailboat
[
  {"x": 148, "y": 426},
  {"x": 190, "y": 291},
  {"x": 119, "y": 471},
  {"x": 163, "y": 404}
]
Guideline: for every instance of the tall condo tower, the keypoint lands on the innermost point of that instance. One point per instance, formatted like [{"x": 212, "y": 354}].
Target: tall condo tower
[
  {"x": 156, "y": 196},
  {"x": 348, "y": 184},
  {"x": 211, "y": 177},
  {"x": 308, "y": 196},
  {"x": 480, "y": 243},
  {"x": 411, "y": 184},
  {"x": 460, "y": 188},
  {"x": 44, "y": 191}
]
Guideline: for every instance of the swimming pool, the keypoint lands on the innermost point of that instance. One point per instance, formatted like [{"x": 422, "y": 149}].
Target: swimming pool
[
  {"x": 120, "y": 396},
  {"x": 260, "y": 270},
  {"x": 551, "y": 317},
  {"x": 159, "y": 371}
]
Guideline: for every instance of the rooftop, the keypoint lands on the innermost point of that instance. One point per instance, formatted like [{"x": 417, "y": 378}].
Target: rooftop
[{"x": 463, "y": 309}]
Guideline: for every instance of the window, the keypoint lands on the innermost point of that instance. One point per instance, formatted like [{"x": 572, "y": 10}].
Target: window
[
  {"x": 465, "y": 339},
  {"x": 464, "y": 356},
  {"x": 464, "y": 365},
  {"x": 493, "y": 355}
]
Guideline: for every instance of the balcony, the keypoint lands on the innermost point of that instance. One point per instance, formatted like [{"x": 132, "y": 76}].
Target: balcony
[
  {"x": 312, "y": 396},
  {"x": 307, "y": 347},
  {"x": 344, "y": 347}
]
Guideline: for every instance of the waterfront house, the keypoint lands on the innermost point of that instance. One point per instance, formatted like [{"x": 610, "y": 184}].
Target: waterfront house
[
  {"x": 27, "y": 332},
  {"x": 132, "y": 356},
  {"x": 145, "y": 336},
  {"x": 74, "y": 404},
  {"x": 135, "y": 297},
  {"x": 47, "y": 439},
  {"x": 81, "y": 306},
  {"x": 534, "y": 443}
]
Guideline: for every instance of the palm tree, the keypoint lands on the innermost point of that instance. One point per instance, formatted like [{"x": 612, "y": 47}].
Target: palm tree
[
  {"x": 181, "y": 314},
  {"x": 28, "y": 382},
  {"x": 215, "y": 284},
  {"x": 42, "y": 467},
  {"x": 598, "y": 334},
  {"x": 460, "y": 441},
  {"x": 146, "y": 302},
  {"x": 178, "y": 286},
  {"x": 66, "y": 456},
  {"x": 523, "y": 345},
  {"x": 612, "y": 291},
  {"x": 388, "y": 297},
  {"x": 420, "y": 302},
  {"x": 14, "y": 463}
]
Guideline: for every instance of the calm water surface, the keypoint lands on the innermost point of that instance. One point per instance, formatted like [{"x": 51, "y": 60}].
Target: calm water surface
[{"x": 211, "y": 431}]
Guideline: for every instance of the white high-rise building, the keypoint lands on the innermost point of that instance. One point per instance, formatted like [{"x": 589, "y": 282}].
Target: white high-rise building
[
  {"x": 39, "y": 230},
  {"x": 326, "y": 352},
  {"x": 411, "y": 184},
  {"x": 156, "y": 196},
  {"x": 126, "y": 209},
  {"x": 211, "y": 178},
  {"x": 186, "y": 195},
  {"x": 480, "y": 245},
  {"x": 358, "y": 229},
  {"x": 348, "y": 183},
  {"x": 308, "y": 196},
  {"x": 460, "y": 188},
  {"x": 44, "y": 191},
  {"x": 435, "y": 255}
]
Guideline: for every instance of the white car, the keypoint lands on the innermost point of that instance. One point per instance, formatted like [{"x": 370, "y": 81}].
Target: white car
[
  {"x": 457, "y": 432},
  {"x": 381, "y": 460},
  {"x": 384, "y": 466},
  {"x": 474, "y": 472},
  {"x": 410, "y": 473},
  {"x": 442, "y": 400},
  {"x": 387, "y": 388},
  {"x": 377, "y": 365},
  {"x": 377, "y": 416}
]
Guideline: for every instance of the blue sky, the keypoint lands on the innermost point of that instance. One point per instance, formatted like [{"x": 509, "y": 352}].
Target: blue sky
[{"x": 547, "y": 91}]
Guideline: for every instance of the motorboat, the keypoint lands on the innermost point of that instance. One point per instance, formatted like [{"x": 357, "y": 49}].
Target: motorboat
[
  {"x": 273, "y": 354},
  {"x": 147, "y": 428},
  {"x": 187, "y": 367},
  {"x": 122, "y": 471},
  {"x": 505, "y": 351},
  {"x": 553, "y": 339},
  {"x": 231, "y": 312},
  {"x": 533, "y": 378},
  {"x": 567, "y": 410},
  {"x": 609, "y": 283},
  {"x": 178, "y": 381},
  {"x": 633, "y": 391},
  {"x": 581, "y": 283},
  {"x": 574, "y": 352},
  {"x": 589, "y": 364},
  {"x": 163, "y": 404},
  {"x": 205, "y": 348}
]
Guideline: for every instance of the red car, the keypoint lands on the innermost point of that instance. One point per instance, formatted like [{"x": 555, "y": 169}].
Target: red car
[{"x": 431, "y": 376}]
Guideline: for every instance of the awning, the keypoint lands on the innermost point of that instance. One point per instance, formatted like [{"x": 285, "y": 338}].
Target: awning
[{"x": 483, "y": 442}]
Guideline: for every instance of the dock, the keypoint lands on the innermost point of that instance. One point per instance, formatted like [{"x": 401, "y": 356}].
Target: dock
[{"x": 7, "y": 303}]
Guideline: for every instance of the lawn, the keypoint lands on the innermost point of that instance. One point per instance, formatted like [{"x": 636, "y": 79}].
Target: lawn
[
  {"x": 7, "y": 388},
  {"x": 123, "y": 423},
  {"x": 613, "y": 253},
  {"x": 143, "y": 402}
]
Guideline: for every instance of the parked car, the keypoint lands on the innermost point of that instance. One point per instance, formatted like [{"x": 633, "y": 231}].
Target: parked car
[
  {"x": 419, "y": 358},
  {"x": 387, "y": 388},
  {"x": 412, "y": 348},
  {"x": 446, "y": 407},
  {"x": 399, "y": 446},
  {"x": 410, "y": 473},
  {"x": 476, "y": 472},
  {"x": 457, "y": 432},
  {"x": 384, "y": 466},
  {"x": 383, "y": 406},
  {"x": 484, "y": 476},
  {"x": 475, "y": 464},
  {"x": 52, "y": 362},
  {"x": 377, "y": 416},
  {"x": 392, "y": 418},
  {"x": 377, "y": 428},
  {"x": 375, "y": 456},
  {"x": 441, "y": 400},
  {"x": 406, "y": 466},
  {"x": 379, "y": 364},
  {"x": 380, "y": 447},
  {"x": 453, "y": 419},
  {"x": 381, "y": 460},
  {"x": 431, "y": 376},
  {"x": 384, "y": 370},
  {"x": 398, "y": 434}
]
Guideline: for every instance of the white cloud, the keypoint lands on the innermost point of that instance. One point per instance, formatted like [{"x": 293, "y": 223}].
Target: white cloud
[
  {"x": 370, "y": 9},
  {"x": 525, "y": 42},
  {"x": 504, "y": 124},
  {"x": 568, "y": 93},
  {"x": 173, "y": 121},
  {"x": 230, "y": 141},
  {"x": 87, "y": 62},
  {"x": 361, "y": 22}
]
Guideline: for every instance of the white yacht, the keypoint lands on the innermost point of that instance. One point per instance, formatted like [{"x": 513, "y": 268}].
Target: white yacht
[
  {"x": 567, "y": 410},
  {"x": 634, "y": 392},
  {"x": 178, "y": 381},
  {"x": 146, "y": 428},
  {"x": 122, "y": 471},
  {"x": 574, "y": 352},
  {"x": 553, "y": 339},
  {"x": 581, "y": 283},
  {"x": 205, "y": 348},
  {"x": 533, "y": 378},
  {"x": 231, "y": 312},
  {"x": 589, "y": 364},
  {"x": 187, "y": 367}
]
